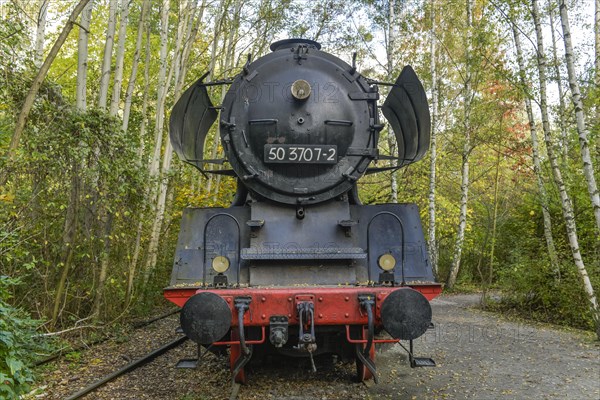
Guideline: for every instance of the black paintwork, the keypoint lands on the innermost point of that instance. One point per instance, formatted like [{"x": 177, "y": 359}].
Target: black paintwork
[
  {"x": 406, "y": 314},
  {"x": 406, "y": 110},
  {"x": 205, "y": 318},
  {"x": 259, "y": 109},
  {"x": 284, "y": 250}
]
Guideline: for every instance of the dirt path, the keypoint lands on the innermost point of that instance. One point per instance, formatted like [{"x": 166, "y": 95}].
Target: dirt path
[{"x": 479, "y": 355}]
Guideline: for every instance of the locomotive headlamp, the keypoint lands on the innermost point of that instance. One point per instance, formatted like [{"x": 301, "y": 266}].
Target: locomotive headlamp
[
  {"x": 386, "y": 262},
  {"x": 300, "y": 89},
  {"x": 220, "y": 264}
]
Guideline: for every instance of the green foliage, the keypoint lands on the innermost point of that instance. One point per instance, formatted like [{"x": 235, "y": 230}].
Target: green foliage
[
  {"x": 19, "y": 344},
  {"x": 536, "y": 293}
]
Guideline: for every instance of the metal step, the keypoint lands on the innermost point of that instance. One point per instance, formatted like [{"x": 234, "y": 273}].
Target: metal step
[
  {"x": 418, "y": 362},
  {"x": 188, "y": 363}
]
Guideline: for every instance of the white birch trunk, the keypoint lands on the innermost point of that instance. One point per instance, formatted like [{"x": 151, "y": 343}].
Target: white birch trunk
[
  {"x": 134, "y": 65},
  {"x": 588, "y": 167},
  {"x": 567, "y": 207},
  {"x": 564, "y": 137},
  {"x": 432, "y": 244},
  {"x": 107, "y": 59},
  {"x": 597, "y": 72},
  {"x": 158, "y": 139},
  {"x": 597, "y": 52},
  {"x": 537, "y": 168},
  {"x": 138, "y": 241},
  {"x": 161, "y": 89},
  {"x": 82, "y": 57},
  {"x": 227, "y": 67},
  {"x": 211, "y": 71},
  {"x": 195, "y": 26},
  {"x": 187, "y": 11},
  {"x": 120, "y": 56},
  {"x": 464, "y": 186},
  {"x": 390, "y": 70},
  {"x": 40, "y": 34}
]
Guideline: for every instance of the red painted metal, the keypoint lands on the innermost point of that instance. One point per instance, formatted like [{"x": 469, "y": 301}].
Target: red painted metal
[
  {"x": 232, "y": 342},
  {"x": 333, "y": 305},
  {"x": 364, "y": 341}
]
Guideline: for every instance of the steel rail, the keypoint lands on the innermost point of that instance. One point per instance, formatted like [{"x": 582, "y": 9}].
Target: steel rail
[
  {"x": 135, "y": 325},
  {"x": 129, "y": 367}
]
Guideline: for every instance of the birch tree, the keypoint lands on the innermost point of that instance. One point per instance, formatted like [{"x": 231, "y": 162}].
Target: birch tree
[
  {"x": 582, "y": 131},
  {"x": 40, "y": 34},
  {"x": 564, "y": 138},
  {"x": 567, "y": 207},
  {"x": 134, "y": 64},
  {"x": 432, "y": 244},
  {"x": 218, "y": 26},
  {"x": 537, "y": 168},
  {"x": 82, "y": 57},
  {"x": 464, "y": 186},
  {"x": 119, "y": 59},
  {"x": 229, "y": 49},
  {"x": 161, "y": 188},
  {"x": 136, "y": 250},
  {"x": 390, "y": 50},
  {"x": 597, "y": 68},
  {"x": 107, "y": 59}
]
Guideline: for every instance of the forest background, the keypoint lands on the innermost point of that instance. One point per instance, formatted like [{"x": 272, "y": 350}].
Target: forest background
[{"x": 91, "y": 196}]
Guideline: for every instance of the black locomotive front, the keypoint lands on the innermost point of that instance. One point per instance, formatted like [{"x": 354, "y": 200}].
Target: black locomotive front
[{"x": 297, "y": 264}]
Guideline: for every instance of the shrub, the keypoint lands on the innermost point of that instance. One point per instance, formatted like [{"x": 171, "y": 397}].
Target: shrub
[{"x": 19, "y": 344}]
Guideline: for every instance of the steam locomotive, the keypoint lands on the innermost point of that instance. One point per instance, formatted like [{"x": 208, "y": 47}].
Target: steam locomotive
[{"x": 297, "y": 265}]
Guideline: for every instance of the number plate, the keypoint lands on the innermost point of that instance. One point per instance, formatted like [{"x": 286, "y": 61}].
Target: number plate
[{"x": 301, "y": 153}]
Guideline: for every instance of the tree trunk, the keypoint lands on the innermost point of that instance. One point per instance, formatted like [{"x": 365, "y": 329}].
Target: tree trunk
[
  {"x": 597, "y": 76},
  {"x": 158, "y": 139},
  {"x": 567, "y": 207},
  {"x": 487, "y": 280},
  {"x": 537, "y": 168},
  {"x": 138, "y": 242},
  {"x": 464, "y": 186},
  {"x": 118, "y": 78},
  {"x": 135, "y": 64},
  {"x": 228, "y": 66},
  {"x": 35, "y": 87},
  {"x": 182, "y": 41},
  {"x": 211, "y": 72},
  {"x": 597, "y": 52},
  {"x": 588, "y": 167},
  {"x": 564, "y": 136},
  {"x": 161, "y": 90},
  {"x": 432, "y": 245},
  {"x": 68, "y": 241},
  {"x": 104, "y": 262},
  {"x": 107, "y": 60},
  {"x": 82, "y": 57},
  {"x": 40, "y": 34},
  {"x": 391, "y": 45}
]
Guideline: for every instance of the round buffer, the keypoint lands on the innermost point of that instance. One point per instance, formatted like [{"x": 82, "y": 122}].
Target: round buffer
[{"x": 205, "y": 318}]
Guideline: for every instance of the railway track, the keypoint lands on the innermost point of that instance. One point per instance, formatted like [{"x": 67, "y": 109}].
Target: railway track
[
  {"x": 136, "y": 325},
  {"x": 129, "y": 367}
]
